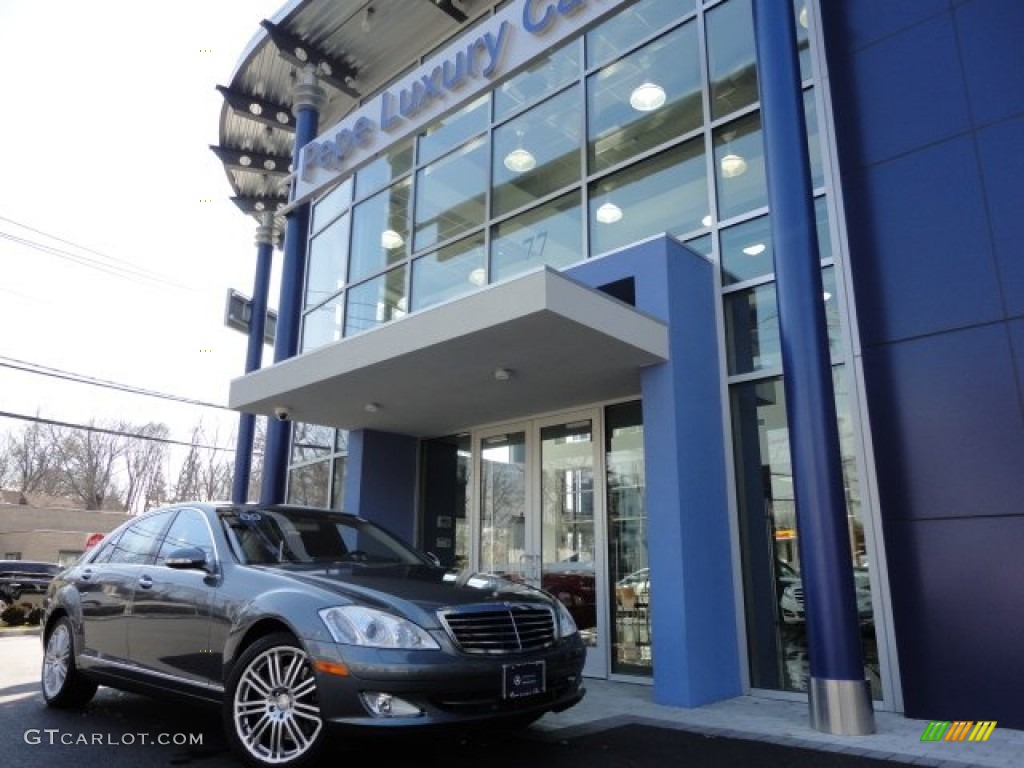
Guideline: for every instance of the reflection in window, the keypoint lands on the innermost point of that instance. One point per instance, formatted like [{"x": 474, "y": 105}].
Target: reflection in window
[
  {"x": 537, "y": 153},
  {"x": 453, "y": 130},
  {"x": 739, "y": 166},
  {"x": 645, "y": 99},
  {"x": 331, "y": 204},
  {"x": 449, "y": 272},
  {"x": 548, "y": 235},
  {"x": 338, "y": 483},
  {"x": 732, "y": 65},
  {"x": 813, "y": 140},
  {"x": 450, "y": 195},
  {"x": 542, "y": 78},
  {"x": 624, "y": 30},
  {"x": 323, "y": 325},
  {"x": 310, "y": 441},
  {"x": 328, "y": 255},
  {"x": 667, "y": 193},
  {"x": 376, "y": 301},
  {"x": 752, "y": 326},
  {"x": 748, "y": 250},
  {"x": 385, "y": 169},
  {"x": 803, "y": 42},
  {"x": 307, "y": 485},
  {"x": 380, "y": 231}
]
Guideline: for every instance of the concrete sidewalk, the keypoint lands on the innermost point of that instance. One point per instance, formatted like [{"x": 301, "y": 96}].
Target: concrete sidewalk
[{"x": 783, "y": 722}]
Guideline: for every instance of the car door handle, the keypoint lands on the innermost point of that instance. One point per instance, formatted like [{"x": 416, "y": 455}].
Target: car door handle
[
  {"x": 87, "y": 574},
  {"x": 145, "y": 581}
]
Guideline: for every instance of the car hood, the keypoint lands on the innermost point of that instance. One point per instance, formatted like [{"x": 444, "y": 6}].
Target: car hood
[{"x": 414, "y": 591}]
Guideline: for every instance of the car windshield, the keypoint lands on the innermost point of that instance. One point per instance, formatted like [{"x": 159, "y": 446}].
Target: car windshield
[{"x": 302, "y": 536}]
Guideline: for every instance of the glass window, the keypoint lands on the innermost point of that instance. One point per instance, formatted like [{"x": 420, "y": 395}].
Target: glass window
[
  {"x": 701, "y": 245},
  {"x": 550, "y": 234},
  {"x": 645, "y": 99},
  {"x": 453, "y": 130},
  {"x": 375, "y": 302},
  {"x": 380, "y": 231},
  {"x": 803, "y": 42},
  {"x": 189, "y": 529},
  {"x": 338, "y": 483},
  {"x": 668, "y": 193},
  {"x": 137, "y": 544},
  {"x": 451, "y": 195},
  {"x": 739, "y": 167},
  {"x": 624, "y": 30},
  {"x": 537, "y": 153},
  {"x": 310, "y": 441},
  {"x": 449, "y": 272},
  {"x": 385, "y": 169},
  {"x": 544, "y": 77},
  {"x": 328, "y": 255},
  {"x": 732, "y": 64},
  {"x": 330, "y": 205},
  {"x": 307, "y": 485},
  {"x": 323, "y": 325},
  {"x": 748, "y": 250},
  {"x": 813, "y": 140},
  {"x": 752, "y": 326}
]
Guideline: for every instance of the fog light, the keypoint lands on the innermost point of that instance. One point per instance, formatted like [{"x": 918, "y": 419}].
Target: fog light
[{"x": 386, "y": 705}]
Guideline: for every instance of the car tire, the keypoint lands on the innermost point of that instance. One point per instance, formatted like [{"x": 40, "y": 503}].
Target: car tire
[
  {"x": 62, "y": 682},
  {"x": 271, "y": 714}
]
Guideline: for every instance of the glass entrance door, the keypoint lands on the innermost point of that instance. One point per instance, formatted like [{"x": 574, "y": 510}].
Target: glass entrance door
[{"x": 540, "y": 513}]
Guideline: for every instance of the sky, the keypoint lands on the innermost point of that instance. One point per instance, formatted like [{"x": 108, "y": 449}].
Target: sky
[{"x": 109, "y": 110}]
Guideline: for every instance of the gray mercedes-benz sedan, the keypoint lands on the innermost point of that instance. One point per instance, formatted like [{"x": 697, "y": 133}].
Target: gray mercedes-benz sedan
[{"x": 298, "y": 620}]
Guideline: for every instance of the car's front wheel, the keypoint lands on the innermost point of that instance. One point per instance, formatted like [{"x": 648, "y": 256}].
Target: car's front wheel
[
  {"x": 271, "y": 713},
  {"x": 63, "y": 684}
]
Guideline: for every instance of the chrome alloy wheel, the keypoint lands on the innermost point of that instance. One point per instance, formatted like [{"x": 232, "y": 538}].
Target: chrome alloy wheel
[
  {"x": 274, "y": 709},
  {"x": 56, "y": 660}
]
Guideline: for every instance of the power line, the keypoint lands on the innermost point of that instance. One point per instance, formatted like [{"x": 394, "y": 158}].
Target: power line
[
  {"x": 116, "y": 267},
  {"x": 57, "y": 373},
  {"x": 106, "y": 431}
]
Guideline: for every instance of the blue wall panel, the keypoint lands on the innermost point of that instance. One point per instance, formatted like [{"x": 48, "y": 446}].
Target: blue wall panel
[
  {"x": 959, "y": 623},
  {"x": 1017, "y": 342},
  {"x": 920, "y": 244},
  {"x": 990, "y": 34},
  {"x": 380, "y": 480},
  {"x": 878, "y": 19},
  {"x": 948, "y": 425},
  {"x": 909, "y": 90},
  {"x": 1001, "y": 151},
  {"x": 695, "y": 642}
]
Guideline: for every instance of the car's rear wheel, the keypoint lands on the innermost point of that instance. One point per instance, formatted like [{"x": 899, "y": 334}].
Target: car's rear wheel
[
  {"x": 63, "y": 684},
  {"x": 271, "y": 713}
]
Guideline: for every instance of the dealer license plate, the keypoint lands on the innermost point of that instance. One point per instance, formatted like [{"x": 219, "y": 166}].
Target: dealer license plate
[{"x": 519, "y": 680}]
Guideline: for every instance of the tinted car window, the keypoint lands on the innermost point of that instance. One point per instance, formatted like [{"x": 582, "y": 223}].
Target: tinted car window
[
  {"x": 189, "y": 529},
  {"x": 138, "y": 542}
]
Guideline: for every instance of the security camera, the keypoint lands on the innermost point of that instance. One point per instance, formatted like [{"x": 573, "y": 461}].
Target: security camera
[{"x": 282, "y": 414}]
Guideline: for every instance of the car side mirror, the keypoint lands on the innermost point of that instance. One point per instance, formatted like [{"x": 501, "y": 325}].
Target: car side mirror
[
  {"x": 186, "y": 558},
  {"x": 433, "y": 558}
]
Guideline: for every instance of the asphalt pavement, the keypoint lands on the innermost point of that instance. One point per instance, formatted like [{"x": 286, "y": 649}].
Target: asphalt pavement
[{"x": 617, "y": 724}]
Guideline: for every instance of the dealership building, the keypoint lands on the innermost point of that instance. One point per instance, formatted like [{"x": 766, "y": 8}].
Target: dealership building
[{"x": 705, "y": 315}]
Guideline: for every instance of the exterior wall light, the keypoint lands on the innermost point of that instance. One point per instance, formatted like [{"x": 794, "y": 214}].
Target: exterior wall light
[{"x": 647, "y": 97}]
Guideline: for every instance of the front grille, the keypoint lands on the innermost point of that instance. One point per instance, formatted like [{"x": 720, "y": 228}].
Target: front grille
[{"x": 505, "y": 628}]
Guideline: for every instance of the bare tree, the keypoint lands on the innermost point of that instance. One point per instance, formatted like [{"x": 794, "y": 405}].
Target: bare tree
[
  {"x": 143, "y": 459},
  {"x": 86, "y": 461},
  {"x": 206, "y": 472},
  {"x": 31, "y": 459}
]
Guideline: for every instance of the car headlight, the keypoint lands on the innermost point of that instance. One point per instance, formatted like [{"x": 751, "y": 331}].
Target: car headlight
[
  {"x": 357, "y": 625},
  {"x": 566, "y": 625}
]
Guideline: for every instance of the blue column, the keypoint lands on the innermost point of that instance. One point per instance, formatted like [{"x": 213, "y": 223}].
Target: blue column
[
  {"x": 254, "y": 355},
  {"x": 308, "y": 100},
  {"x": 840, "y": 698}
]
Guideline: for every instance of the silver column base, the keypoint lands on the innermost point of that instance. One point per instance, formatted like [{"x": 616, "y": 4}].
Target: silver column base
[{"x": 841, "y": 707}]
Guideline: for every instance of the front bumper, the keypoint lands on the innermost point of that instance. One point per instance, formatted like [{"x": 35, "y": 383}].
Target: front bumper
[{"x": 446, "y": 687}]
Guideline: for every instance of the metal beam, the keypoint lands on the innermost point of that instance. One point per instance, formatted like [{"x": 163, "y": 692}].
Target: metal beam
[
  {"x": 329, "y": 69},
  {"x": 260, "y": 110},
  {"x": 254, "y": 162},
  {"x": 452, "y": 7}
]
